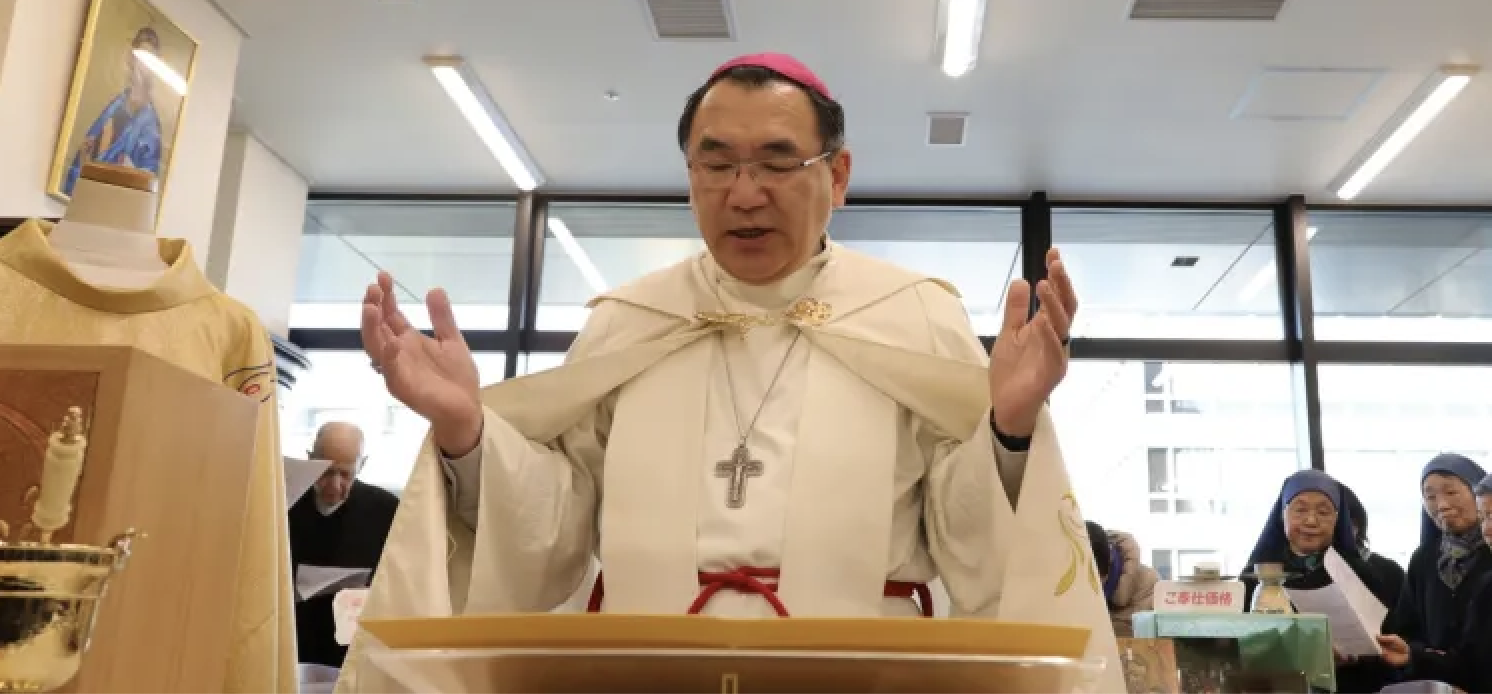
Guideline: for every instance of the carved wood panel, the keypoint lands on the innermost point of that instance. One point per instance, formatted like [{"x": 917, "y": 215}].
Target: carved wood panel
[{"x": 32, "y": 405}]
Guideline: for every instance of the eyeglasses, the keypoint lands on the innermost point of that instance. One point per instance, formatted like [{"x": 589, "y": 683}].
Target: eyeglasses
[
  {"x": 1303, "y": 514},
  {"x": 718, "y": 174}
]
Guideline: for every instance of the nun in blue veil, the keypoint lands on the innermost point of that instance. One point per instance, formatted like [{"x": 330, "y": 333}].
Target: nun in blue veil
[
  {"x": 1467, "y": 666},
  {"x": 1309, "y": 518},
  {"x": 1451, "y": 559}
]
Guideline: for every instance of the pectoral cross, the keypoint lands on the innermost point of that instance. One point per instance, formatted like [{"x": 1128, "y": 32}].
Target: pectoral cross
[{"x": 737, "y": 469}]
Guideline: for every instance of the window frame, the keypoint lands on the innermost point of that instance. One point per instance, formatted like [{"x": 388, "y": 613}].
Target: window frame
[{"x": 1298, "y": 346}]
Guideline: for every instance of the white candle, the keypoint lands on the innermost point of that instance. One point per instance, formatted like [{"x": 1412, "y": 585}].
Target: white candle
[{"x": 59, "y": 476}]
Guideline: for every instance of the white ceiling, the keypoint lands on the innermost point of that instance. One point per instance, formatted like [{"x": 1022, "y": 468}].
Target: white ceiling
[
  {"x": 1366, "y": 265},
  {"x": 1069, "y": 95}
]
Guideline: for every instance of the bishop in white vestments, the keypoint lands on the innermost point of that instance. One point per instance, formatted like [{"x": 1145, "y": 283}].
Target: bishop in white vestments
[{"x": 778, "y": 426}]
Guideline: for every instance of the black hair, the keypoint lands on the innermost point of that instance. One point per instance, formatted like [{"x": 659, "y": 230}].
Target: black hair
[
  {"x": 828, "y": 111},
  {"x": 1357, "y": 515},
  {"x": 1099, "y": 538}
]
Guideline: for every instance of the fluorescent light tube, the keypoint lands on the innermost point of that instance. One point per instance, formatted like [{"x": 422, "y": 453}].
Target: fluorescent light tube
[
  {"x": 1406, "y": 124},
  {"x": 960, "y": 25},
  {"x": 481, "y": 112},
  {"x": 1267, "y": 273},
  {"x": 176, "y": 82},
  {"x": 582, "y": 260}
]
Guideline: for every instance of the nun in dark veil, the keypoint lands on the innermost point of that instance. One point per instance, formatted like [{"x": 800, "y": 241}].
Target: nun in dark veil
[
  {"x": 1310, "y": 518},
  {"x": 1451, "y": 559},
  {"x": 1467, "y": 666}
]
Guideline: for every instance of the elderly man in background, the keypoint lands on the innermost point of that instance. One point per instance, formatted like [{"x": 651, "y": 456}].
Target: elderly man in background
[{"x": 337, "y": 531}]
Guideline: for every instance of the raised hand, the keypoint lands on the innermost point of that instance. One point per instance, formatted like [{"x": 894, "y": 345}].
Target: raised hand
[
  {"x": 434, "y": 376},
  {"x": 1029, "y": 358}
]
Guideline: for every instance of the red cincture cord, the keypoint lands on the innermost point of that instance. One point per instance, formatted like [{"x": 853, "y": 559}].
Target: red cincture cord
[{"x": 763, "y": 582}]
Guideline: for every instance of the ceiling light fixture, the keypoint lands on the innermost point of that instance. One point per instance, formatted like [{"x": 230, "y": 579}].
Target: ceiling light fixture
[
  {"x": 1267, "y": 273},
  {"x": 462, "y": 85},
  {"x": 1407, "y": 123},
  {"x": 960, "y": 25},
  {"x": 153, "y": 62},
  {"x": 582, "y": 260}
]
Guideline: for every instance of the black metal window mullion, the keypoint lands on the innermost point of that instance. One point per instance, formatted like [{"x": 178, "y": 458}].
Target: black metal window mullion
[
  {"x": 523, "y": 280},
  {"x": 1297, "y": 310},
  {"x": 1036, "y": 240}
]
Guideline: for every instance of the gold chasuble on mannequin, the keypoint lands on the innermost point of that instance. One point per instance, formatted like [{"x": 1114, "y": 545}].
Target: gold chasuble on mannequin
[
  {"x": 889, "y": 471},
  {"x": 186, "y": 321}
]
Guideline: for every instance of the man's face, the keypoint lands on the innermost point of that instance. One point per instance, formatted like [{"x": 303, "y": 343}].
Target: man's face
[
  {"x": 139, "y": 74},
  {"x": 760, "y": 231},
  {"x": 335, "y": 482}
]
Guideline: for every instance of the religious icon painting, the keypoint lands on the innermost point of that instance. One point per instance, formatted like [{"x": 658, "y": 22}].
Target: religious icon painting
[{"x": 129, "y": 89}]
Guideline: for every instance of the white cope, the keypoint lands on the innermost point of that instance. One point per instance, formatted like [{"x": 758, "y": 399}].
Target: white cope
[{"x": 753, "y": 535}]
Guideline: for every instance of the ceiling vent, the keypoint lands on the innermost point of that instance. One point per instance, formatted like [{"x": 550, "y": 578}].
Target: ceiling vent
[
  {"x": 1185, "y": 261},
  {"x": 690, "y": 20},
  {"x": 1214, "y": 10},
  {"x": 946, "y": 129}
]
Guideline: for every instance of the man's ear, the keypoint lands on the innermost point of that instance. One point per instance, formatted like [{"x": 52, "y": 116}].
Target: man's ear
[{"x": 839, "y": 172}]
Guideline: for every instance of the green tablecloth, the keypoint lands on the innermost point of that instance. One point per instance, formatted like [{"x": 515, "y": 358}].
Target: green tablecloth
[{"x": 1270, "y": 642}]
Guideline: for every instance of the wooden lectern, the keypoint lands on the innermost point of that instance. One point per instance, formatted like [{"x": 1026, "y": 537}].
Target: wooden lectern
[
  {"x": 705, "y": 655},
  {"x": 168, "y": 455}
]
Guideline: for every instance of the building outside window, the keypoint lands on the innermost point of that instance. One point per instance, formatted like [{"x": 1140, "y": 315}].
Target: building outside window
[{"x": 1181, "y": 455}]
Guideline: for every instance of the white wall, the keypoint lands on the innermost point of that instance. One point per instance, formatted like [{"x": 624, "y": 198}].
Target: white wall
[
  {"x": 256, "y": 240},
  {"x": 7, "y": 10},
  {"x": 40, "y": 50},
  {"x": 36, "y": 72}
]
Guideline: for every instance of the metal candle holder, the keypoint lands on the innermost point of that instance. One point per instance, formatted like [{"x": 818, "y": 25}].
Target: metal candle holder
[{"x": 50, "y": 592}]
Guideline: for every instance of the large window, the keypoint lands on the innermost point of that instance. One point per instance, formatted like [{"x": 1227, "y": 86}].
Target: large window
[
  {"x": 1402, "y": 277},
  {"x": 467, "y": 249},
  {"x": 1157, "y": 274},
  {"x": 1381, "y": 424},
  {"x": 592, "y": 248},
  {"x": 341, "y": 387},
  {"x": 974, "y": 248},
  {"x": 1187, "y": 457}
]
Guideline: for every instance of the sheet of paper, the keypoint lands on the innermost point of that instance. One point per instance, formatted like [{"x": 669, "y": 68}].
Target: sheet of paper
[
  {"x": 347, "y": 607},
  {"x": 1363, "y": 602},
  {"x": 312, "y": 581},
  {"x": 1354, "y": 613},
  {"x": 1348, "y": 634},
  {"x": 317, "y": 679},
  {"x": 300, "y": 475}
]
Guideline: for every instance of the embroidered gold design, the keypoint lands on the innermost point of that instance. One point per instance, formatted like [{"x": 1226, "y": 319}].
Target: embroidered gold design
[
  {"x": 808, "y": 313},
  {"x": 1070, "y": 519},
  {"x": 740, "y": 322},
  {"x": 804, "y": 313}
]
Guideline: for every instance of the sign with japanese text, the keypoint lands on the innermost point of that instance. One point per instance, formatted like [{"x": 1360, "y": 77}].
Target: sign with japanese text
[{"x": 1199, "y": 596}]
